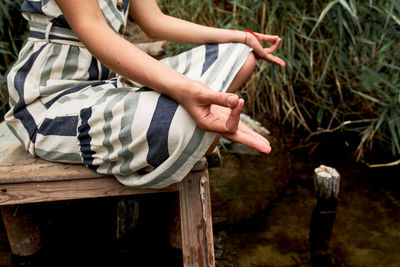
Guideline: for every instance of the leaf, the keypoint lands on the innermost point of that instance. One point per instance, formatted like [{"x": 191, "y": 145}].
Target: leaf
[
  {"x": 382, "y": 118},
  {"x": 322, "y": 15},
  {"x": 369, "y": 82},
  {"x": 346, "y": 6},
  {"x": 395, "y": 134},
  {"x": 5, "y": 52},
  {"x": 370, "y": 98},
  {"x": 385, "y": 47},
  {"x": 327, "y": 64},
  {"x": 381, "y": 78},
  {"x": 320, "y": 115}
]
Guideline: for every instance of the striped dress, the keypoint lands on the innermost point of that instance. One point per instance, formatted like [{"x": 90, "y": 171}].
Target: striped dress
[{"x": 66, "y": 106}]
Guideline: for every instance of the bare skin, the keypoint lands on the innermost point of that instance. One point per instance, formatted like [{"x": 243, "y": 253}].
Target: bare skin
[
  {"x": 244, "y": 74},
  {"x": 212, "y": 111}
]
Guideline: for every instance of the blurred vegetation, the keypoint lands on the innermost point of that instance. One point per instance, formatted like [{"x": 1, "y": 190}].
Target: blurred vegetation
[
  {"x": 12, "y": 34},
  {"x": 343, "y": 63}
]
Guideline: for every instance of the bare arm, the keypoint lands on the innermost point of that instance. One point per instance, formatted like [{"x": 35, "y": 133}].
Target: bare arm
[
  {"x": 157, "y": 25},
  {"x": 88, "y": 23},
  {"x": 160, "y": 26}
]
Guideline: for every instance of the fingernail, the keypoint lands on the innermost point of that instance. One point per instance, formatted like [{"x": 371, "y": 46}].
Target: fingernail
[{"x": 232, "y": 101}]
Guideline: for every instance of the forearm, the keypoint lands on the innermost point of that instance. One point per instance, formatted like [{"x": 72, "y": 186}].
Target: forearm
[
  {"x": 160, "y": 26},
  {"x": 120, "y": 55},
  {"x": 132, "y": 63},
  {"x": 177, "y": 30}
]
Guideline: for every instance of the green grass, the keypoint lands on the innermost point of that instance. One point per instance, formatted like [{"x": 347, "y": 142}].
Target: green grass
[{"x": 343, "y": 63}]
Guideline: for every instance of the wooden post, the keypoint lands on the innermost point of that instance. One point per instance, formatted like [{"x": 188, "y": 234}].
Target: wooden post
[
  {"x": 127, "y": 216},
  {"x": 196, "y": 222},
  {"x": 174, "y": 225},
  {"x": 22, "y": 231},
  {"x": 127, "y": 219},
  {"x": 326, "y": 184}
]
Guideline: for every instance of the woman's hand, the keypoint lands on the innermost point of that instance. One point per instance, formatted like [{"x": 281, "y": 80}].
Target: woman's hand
[
  {"x": 220, "y": 113},
  {"x": 255, "y": 41},
  {"x": 243, "y": 134}
]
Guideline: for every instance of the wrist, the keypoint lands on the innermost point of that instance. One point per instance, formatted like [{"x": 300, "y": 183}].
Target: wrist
[
  {"x": 235, "y": 36},
  {"x": 242, "y": 37},
  {"x": 247, "y": 37},
  {"x": 186, "y": 89}
]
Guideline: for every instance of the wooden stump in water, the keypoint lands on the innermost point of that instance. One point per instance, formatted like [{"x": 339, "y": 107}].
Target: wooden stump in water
[
  {"x": 326, "y": 185},
  {"x": 326, "y": 182}
]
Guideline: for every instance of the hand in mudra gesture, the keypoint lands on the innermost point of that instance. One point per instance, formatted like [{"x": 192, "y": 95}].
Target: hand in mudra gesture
[
  {"x": 256, "y": 40},
  {"x": 220, "y": 113},
  {"x": 242, "y": 134}
]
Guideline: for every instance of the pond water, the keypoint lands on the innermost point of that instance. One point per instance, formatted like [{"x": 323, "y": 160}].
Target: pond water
[
  {"x": 366, "y": 230},
  {"x": 262, "y": 208}
]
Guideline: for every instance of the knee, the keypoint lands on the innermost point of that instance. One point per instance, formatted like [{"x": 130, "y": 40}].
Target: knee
[
  {"x": 248, "y": 68},
  {"x": 244, "y": 73},
  {"x": 249, "y": 65}
]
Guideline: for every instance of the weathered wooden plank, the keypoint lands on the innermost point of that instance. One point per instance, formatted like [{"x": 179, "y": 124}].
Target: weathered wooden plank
[
  {"x": 45, "y": 172},
  {"x": 72, "y": 189},
  {"x": 197, "y": 236}
]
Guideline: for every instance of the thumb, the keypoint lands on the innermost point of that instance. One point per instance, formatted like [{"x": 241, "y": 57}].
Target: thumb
[{"x": 222, "y": 99}]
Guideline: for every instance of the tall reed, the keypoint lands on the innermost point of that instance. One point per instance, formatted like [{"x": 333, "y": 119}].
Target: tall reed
[{"x": 343, "y": 64}]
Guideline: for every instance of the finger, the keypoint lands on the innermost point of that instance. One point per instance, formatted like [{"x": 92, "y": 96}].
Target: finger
[
  {"x": 257, "y": 47},
  {"x": 217, "y": 119},
  {"x": 232, "y": 123},
  {"x": 248, "y": 137},
  {"x": 273, "y": 47},
  {"x": 259, "y": 145},
  {"x": 276, "y": 60},
  {"x": 212, "y": 123},
  {"x": 244, "y": 128},
  {"x": 268, "y": 38},
  {"x": 222, "y": 99},
  {"x": 254, "y": 141}
]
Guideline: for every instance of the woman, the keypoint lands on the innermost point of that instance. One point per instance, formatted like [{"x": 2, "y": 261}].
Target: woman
[{"x": 68, "y": 105}]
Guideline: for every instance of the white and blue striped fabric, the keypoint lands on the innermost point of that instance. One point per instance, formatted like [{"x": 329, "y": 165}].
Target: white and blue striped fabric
[{"x": 68, "y": 107}]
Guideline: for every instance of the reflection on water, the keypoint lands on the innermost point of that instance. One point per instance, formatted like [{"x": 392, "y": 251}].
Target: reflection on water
[{"x": 366, "y": 231}]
